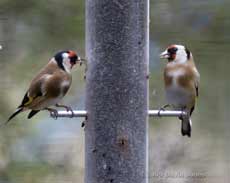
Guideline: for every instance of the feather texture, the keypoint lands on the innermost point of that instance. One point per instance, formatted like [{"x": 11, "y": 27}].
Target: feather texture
[
  {"x": 181, "y": 80},
  {"x": 49, "y": 86}
]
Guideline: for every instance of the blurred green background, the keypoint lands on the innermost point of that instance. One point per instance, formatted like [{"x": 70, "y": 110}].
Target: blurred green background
[{"x": 43, "y": 150}]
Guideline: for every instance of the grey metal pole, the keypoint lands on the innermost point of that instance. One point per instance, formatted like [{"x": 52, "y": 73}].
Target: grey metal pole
[{"x": 116, "y": 91}]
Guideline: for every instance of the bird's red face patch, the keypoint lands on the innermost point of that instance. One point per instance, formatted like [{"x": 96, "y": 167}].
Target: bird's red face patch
[
  {"x": 72, "y": 54},
  {"x": 73, "y": 58},
  {"x": 172, "y": 52}
]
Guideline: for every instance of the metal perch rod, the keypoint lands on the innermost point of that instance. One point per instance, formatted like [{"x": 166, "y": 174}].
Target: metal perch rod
[{"x": 151, "y": 113}]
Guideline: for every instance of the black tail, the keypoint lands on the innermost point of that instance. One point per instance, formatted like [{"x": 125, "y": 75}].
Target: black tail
[
  {"x": 186, "y": 126},
  {"x": 32, "y": 113},
  {"x": 14, "y": 114}
]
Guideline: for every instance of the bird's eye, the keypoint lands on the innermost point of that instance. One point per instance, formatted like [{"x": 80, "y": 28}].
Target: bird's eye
[
  {"x": 172, "y": 50},
  {"x": 74, "y": 59}
]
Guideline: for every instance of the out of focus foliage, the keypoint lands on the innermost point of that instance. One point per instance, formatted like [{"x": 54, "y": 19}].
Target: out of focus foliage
[
  {"x": 30, "y": 33},
  {"x": 43, "y": 150},
  {"x": 203, "y": 26}
]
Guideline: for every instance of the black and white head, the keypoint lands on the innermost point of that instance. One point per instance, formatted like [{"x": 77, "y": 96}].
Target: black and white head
[
  {"x": 67, "y": 59},
  {"x": 176, "y": 53}
]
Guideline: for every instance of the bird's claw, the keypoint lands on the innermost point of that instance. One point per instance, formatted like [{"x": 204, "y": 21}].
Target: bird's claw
[
  {"x": 159, "y": 111},
  {"x": 54, "y": 113},
  {"x": 181, "y": 116},
  {"x": 162, "y": 108},
  {"x": 67, "y": 108},
  {"x": 71, "y": 110},
  {"x": 72, "y": 114}
]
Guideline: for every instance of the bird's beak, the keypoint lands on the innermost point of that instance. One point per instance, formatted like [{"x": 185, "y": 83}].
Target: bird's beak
[{"x": 164, "y": 54}]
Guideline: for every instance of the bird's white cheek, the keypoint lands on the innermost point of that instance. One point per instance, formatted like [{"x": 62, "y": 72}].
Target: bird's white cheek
[
  {"x": 67, "y": 65},
  {"x": 181, "y": 57}
]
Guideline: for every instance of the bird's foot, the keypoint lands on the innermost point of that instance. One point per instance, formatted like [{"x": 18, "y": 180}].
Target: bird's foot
[
  {"x": 68, "y": 108},
  {"x": 183, "y": 110},
  {"x": 162, "y": 108},
  {"x": 53, "y": 112},
  {"x": 71, "y": 110}
]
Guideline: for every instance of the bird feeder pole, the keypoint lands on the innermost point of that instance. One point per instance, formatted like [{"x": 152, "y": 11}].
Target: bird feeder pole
[
  {"x": 116, "y": 129},
  {"x": 116, "y": 91}
]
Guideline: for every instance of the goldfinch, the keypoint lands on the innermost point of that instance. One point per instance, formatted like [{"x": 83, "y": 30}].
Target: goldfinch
[
  {"x": 50, "y": 85},
  {"x": 181, "y": 79}
]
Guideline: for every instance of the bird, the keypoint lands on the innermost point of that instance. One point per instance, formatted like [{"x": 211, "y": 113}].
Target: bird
[
  {"x": 50, "y": 85},
  {"x": 181, "y": 80}
]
